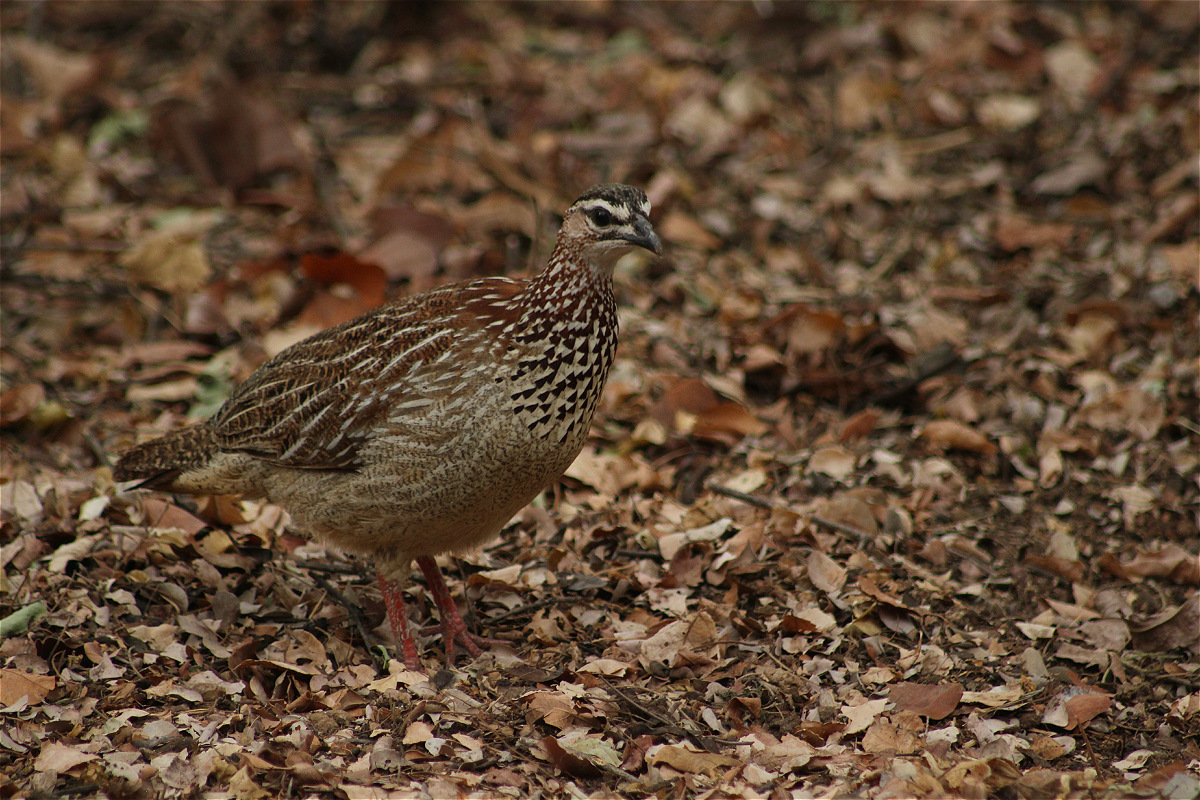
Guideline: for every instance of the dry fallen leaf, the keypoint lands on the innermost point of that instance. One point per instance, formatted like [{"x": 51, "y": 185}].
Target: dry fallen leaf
[
  {"x": 1175, "y": 627},
  {"x": 683, "y": 229},
  {"x": 16, "y": 684},
  {"x": 825, "y": 573},
  {"x": 56, "y": 757},
  {"x": 692, "y": 407},
  {"x": 949, "y": 434},
  {"x": 19, "y": 402},
  {"x": 171, "y": 260},
  {"x": 1007, "y": 112},
  {"x": 1083, "y": 708},
  {"x": 862, "y": 715},
  {"x": 836, "y": 462},
  {"x": 690, "y": 761},
  {"x": 933, "y": 701},
  {"x": 685, "y": 641}
]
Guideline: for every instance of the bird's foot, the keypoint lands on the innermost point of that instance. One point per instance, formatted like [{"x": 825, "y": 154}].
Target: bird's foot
[
  {"x": 456, "y": 633},
  {"x": 393, "y": 600},
  {"x": 454, "y": 630}
]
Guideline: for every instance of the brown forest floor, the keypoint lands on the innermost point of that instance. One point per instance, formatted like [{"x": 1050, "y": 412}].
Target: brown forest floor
[{"x": 894, "y": 489}]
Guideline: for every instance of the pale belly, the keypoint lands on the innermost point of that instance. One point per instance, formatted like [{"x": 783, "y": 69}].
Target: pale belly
[{"x": 445, "y": 481}]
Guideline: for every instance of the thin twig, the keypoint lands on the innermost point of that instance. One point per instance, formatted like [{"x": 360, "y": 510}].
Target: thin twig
[
  {"x": 531, "y": 607},
  {"x": 77, "y": 247},
  {"x": 325, "y": 180},
  {"x": 941, "y": 358},
  {"x": 73, "y": 287},
  {"x": 629, "y": 552},
  {"x": 762, "y": 502},
  {"x": 749, "y": 499},
  {"x": 766, "y": 650},
  {"x": 355, "y": 618},
  {"x": 671, "y": 726},
  {"x": 842, "y": 527},
  {"x": 97, "y": 449},
  {"x": 333, "y": 569},
  {"x": 1091, "y": 754}
]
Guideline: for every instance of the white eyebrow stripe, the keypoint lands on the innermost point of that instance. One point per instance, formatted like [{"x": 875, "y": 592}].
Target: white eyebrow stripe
[{"x": 620, "y": 212}]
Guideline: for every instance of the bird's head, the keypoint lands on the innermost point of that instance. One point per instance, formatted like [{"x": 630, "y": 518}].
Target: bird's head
[{"x": 607, "y": 222}]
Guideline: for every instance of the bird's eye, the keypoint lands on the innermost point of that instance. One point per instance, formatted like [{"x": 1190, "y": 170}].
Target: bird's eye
[{"x": 602, "y": 217}]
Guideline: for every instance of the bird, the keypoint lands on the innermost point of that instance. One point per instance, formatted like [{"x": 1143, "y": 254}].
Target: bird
[{"x": 424, "y": 425}]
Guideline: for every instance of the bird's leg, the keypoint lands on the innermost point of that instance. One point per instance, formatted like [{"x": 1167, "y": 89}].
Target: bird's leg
[
  {"x": 393, "y": 599},
  {"x": 453, "y": 627}
]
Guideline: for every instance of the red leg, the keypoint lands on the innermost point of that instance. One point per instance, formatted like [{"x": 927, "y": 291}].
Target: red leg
[
  {"x": 393, "y": 599},
  {"x": 453, "y": 627}
]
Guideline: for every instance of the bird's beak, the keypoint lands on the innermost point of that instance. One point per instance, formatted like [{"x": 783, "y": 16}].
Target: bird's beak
[{"x": 644, "y": 236}]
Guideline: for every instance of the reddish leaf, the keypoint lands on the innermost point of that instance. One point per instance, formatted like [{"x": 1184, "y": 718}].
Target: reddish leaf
[
  {"x": 742, "y": 707},
  {"x": 569, "y": 763},
  {"x": 859, "y": 426},
  {"x": 1068, "y": 570},
  {"x": 17, "y": 403},
  {"x": 952, "y": 435},
  {"x": 1083, "y": 708},
  {"x": 161, "y": 514},
  {"x": 339, "y": 268},
  {"x": 933, "y": 701},
  {"x": 691, "y": 406},
  {"x": 1014, "y": 231}
]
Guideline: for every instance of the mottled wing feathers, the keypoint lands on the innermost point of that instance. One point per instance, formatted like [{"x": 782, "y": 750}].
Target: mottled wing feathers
[
  {"x": 428, "y": 377},
  {"x": 285, "y": 414},
  {"x": 156, "y": 463},
  {"x": 317, "y": 403}
]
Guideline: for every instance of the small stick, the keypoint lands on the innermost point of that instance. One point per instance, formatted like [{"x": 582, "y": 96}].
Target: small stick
[
  {"x": 355, "y": 618},
  {"x": 749, "y": 499}
]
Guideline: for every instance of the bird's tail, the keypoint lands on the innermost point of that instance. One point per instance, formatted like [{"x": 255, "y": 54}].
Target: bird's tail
[{"x": 159, "y": 462}]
